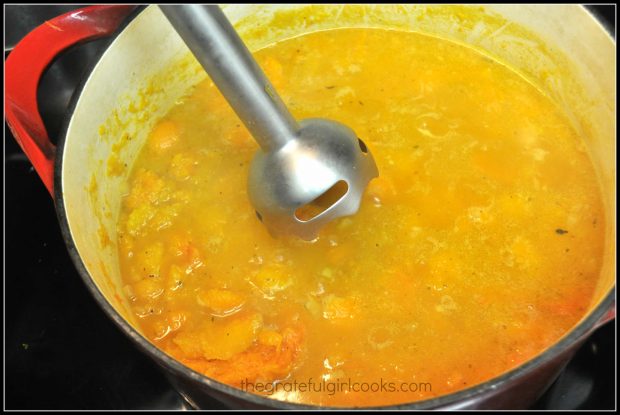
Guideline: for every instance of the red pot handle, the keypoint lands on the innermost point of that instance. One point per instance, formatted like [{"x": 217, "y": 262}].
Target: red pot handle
[{"x": 26, "y": 64}]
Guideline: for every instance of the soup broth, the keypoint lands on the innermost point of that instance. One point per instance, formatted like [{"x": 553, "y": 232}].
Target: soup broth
[{"x": 477, "y": 247}]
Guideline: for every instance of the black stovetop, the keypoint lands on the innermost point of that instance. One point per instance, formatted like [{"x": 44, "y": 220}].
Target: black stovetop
[{"x": 63, "y": 352}]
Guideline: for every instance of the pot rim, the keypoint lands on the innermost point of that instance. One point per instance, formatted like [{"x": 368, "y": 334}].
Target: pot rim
[{"x": 582, "y": 329}]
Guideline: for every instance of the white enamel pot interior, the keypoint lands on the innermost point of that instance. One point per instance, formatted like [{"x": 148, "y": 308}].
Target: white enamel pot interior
[{"x": 561, "y": 49}]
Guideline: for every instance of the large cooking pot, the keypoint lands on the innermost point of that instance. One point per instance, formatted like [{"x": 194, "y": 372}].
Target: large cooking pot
[{"x": 146, "y": 67}]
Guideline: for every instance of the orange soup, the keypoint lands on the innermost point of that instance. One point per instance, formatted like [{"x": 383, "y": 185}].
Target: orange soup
[{"x": 478, "y": 246}]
